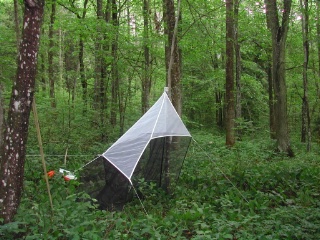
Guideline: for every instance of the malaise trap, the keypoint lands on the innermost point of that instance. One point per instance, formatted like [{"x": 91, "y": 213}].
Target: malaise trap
[{"x": 153, "y": 149}]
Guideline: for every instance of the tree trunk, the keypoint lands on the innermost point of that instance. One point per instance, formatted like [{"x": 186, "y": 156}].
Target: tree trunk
[
  {"x": 83, "y": 79},
  {"x": 318, "y": 45},
  {"x": 42, "y": 69},
  {"x": 238, "y": 110},
  {"x": 114, "y": 67},
  {"x": 16, "y": 132},
  {"x": 305, "y": 123},
  {"x": 173, "y": 67},
  {"x": 230, "y": 114},
  {"x": 279, "y": 36},
  {"x": 98, "y": 57},
  {"x": 271, "y": 102},
  {"x": 50, "y": 55},
  {"x": 173, "y": 55},
  {"x": 318, "y": 34},
  {"x": 146, "y": 80},
  {"x": 2, "y": 125},
  {"x": 219, "y": 109}
]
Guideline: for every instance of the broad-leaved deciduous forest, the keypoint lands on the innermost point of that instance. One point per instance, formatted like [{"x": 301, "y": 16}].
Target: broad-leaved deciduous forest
[{"x": 244, "y": 76}]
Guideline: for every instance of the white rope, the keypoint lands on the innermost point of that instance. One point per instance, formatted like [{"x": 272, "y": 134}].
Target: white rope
[
  {"x": 57, "y": 155},
  {"x": 144, "y": 209},
  {"x": 226, "y": 177}
]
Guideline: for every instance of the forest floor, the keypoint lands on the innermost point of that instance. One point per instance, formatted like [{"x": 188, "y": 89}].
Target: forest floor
[{"x": 247, "y": 192}]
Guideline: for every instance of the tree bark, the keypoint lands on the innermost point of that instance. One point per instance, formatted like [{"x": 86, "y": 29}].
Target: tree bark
[
  {"x": 2, "y": 122},
  {"x": 173, "y": 67},
  {"x": 16, "y": 132},
  {"x": 230, "y": 103},
  {"x": 173, "y": 55},
  {"x": 318, "y": 34},
  {"x": 279, "y": 36},
  {"x": 99, "y": 92},
  {"x": 50, "y": 55},
  {"x": 238, "y": 109},
  {"x": 318, "y": 46},
  {"x": 305, "y": 123},
  {"x": 83, "y": 79},
  {"x": 271, "y": 102},
  {"x": 146, "y": 80},
  {"x": 102, "y": 48},
  {"x": 114, "y": 66}
]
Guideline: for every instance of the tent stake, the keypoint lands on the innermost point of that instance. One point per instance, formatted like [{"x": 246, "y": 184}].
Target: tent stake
[{"x": 36, "y": 121}]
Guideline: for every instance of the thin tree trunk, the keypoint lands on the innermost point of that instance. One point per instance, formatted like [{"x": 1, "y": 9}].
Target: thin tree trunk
[
  {"x": 83, "y": 79},
  {"x": 305, "y": 123},
  {"x": 146, "y": 80},
  {"x": 173, "y": 67},
  {"x": 16, "y": 132},
  {"x": 173, "y": 56},
  {"x": 61, "y": 49},
  {"x": 43, "y": 72},
  {"x": 114, "y": 67},
  {"x": 219, "y": 109},
  {"x": 271, "y": 102},
  {"x": 238, "y": 113},
  {"x": 102, "y": 47},
  {"x": 50, "y": 55},
  {"x": 318, "y": 45},
  {"x": 2, "y": 122},
  {"x": 318, "y": 34},
  {"x": 230, "y": 103}
]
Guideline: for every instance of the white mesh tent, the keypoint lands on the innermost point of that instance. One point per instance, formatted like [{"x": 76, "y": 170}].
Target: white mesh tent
[{"x": 140, "y": 153}]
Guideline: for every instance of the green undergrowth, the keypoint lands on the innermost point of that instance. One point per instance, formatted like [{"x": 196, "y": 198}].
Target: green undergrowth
[{"x": 247, "y": 192}]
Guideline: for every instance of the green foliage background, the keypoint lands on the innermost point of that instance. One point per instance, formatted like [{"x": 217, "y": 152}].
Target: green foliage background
[{"x": 247, "y": 192}]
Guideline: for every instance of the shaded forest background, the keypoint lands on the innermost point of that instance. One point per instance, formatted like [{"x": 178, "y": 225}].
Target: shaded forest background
[{"x": 101, "y": 66}]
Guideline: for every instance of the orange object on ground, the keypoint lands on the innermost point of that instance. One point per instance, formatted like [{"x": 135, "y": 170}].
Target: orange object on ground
[
  {"x": 66, "y": 178},
  {"x": 51, "y": 173}
]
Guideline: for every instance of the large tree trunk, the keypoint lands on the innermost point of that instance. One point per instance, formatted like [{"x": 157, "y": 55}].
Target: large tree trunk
[
  {"x": 230, "y": 103},
  {"x": 279, "y": 37},
  {"x": 305, "y": 123},
  {"x": 16, "y": 132}
]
